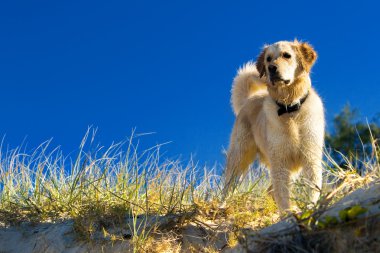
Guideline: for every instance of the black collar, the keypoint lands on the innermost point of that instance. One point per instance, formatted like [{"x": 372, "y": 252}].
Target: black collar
[{"x": 290, "y": 108}]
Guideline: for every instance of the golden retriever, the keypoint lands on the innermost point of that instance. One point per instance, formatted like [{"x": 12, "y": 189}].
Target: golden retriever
[{"x": 279, "y": 119}]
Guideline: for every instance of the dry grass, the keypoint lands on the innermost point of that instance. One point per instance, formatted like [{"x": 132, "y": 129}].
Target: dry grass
[{"x": 142, "y": 196}]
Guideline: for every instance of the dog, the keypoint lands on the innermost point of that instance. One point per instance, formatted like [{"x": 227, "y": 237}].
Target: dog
[{"x": 279, "y": 119}]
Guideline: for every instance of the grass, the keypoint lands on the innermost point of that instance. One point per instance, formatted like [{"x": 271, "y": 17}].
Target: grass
[{"x": 144, "y": 196}]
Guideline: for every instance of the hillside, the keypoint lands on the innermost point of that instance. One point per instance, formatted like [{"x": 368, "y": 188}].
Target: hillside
[{"x": 122, "y": 200}]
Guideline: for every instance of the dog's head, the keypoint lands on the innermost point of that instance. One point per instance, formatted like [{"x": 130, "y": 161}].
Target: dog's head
[{"x": 284, "y": 61}]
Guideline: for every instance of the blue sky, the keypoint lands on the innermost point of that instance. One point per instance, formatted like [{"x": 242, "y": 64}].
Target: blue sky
[{"x": 167, "y": 66}]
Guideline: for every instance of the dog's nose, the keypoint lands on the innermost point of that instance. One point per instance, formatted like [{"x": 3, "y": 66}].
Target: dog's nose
[{"x": 272, "y": 69}]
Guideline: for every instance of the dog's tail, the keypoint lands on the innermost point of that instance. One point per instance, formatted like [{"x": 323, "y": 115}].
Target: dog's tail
[{"x": 246, "y": 84}]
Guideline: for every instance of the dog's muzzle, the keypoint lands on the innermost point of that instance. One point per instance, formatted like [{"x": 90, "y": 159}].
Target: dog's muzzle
[{"x": 275, "y": 76}]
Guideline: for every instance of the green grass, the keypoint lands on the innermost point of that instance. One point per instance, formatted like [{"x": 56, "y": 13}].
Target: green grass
[{"x": 122, "y": 187}]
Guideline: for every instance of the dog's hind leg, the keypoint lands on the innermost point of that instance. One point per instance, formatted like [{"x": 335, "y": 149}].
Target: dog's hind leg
[{"x": 240, "y": 155}]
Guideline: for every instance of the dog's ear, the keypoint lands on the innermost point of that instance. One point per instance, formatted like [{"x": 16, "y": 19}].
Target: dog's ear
[
  {"x": 307, "y": 55},
  {"x": 260, "y": 66}
]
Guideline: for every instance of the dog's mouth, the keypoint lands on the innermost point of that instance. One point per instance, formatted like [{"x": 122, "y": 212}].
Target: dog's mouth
[{"x": 279, "y": 80}]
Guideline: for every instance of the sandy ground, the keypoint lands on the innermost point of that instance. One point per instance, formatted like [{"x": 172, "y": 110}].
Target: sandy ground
[{"x": 53, "y": 237}]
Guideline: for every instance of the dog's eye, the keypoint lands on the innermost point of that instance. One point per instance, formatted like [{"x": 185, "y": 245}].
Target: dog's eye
[
  {"x": 286, "y": 55},
  {"x": 269, "y": 59}
]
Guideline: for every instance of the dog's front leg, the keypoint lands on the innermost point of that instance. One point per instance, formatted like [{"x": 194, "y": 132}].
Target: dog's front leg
[
  {"x": 312, "y": 168},
  {"x": 312, "y": 174},
  {"x": 280, "y": 177}
]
